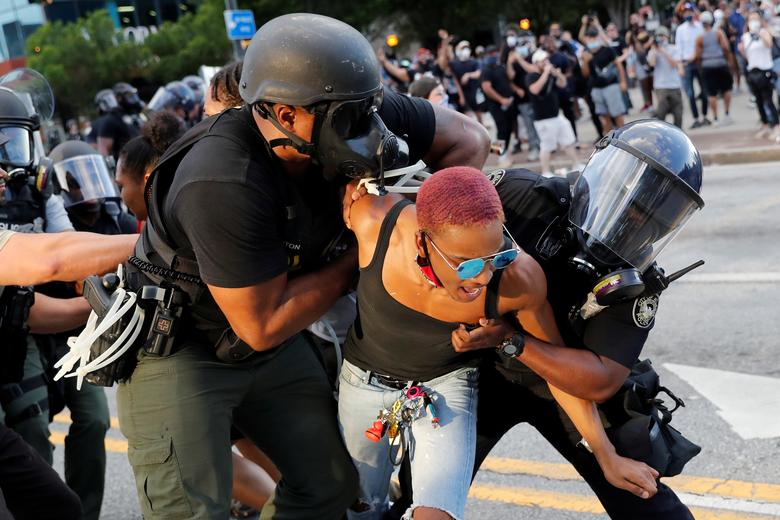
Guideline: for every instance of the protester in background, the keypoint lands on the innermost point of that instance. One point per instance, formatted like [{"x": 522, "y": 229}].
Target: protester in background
[
  {"x": 685, "y": 40},
  {"x": 716, "y": 61},
  {"x": 395, "y": 72},
  {"x": 618, "y": 44},
  {"x": 73, "y": 132},
  {"x": 553, "y": 129},
  {"x": 442, "y": 71},
  {"x": 467, "y": 73},
  {"x": 606, "y": 77},
  {"x": 518, "y": 67},
  {"x": 501, "y": 104},
  {"x": 756, "y": 46},
  {"x": 640, "y": 45},
  {"x": 667, "y": 71},
  {"x": 429, "y": 88},
  {"x": 734, "y": 25}
]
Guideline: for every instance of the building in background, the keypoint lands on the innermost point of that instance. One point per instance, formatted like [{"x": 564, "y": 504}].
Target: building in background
[{"x": 136, "y": 18}]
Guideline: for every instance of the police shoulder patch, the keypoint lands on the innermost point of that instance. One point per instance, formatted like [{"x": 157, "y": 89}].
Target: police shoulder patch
[
  {"x": 645, "y": 308},
  {"x": 496, "y": 176}
]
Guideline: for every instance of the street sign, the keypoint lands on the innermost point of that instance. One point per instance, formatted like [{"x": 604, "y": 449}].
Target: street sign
[{"x": 240, "y": 24}]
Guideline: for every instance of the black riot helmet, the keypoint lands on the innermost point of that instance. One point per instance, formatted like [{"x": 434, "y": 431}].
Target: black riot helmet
[
  {"x": 17, "y": 150},
  {"x": 106, "y": 101},
  {"x": 82, "y": 174},
  {"x": 127, "y": 97},
  {"x": 197, "y": 85},
  {"x": 175, "y": 95},
  {"x": 638, "y": 190},
  {"x": 313, "y": 61}
]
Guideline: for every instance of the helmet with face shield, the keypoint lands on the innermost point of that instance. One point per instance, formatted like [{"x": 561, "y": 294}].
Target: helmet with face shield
[
  {"x": 127, "y": 97},
  {"x": 82, "y": 175},
  {"x": 323, "y": 64},
  {"x": 17, "y": 152},
  {"x": 640, "y": 187}
]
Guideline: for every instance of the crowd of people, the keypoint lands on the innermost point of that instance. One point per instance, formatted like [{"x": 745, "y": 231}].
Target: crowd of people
[
  {"x": 698, "y": 51},
  {"x": 269, "y": 276}
]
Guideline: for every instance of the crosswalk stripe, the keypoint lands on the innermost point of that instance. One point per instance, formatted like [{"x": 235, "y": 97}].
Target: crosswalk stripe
[
  {"x": 682, "y": 483},
  {"x": 529, "y": 497}
]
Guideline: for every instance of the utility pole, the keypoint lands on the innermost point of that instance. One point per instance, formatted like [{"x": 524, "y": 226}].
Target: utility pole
[{"x": 238, "y": 52}]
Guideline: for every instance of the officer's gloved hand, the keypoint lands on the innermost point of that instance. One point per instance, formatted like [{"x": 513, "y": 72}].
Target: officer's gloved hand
[{"x": 489, "y": 334}]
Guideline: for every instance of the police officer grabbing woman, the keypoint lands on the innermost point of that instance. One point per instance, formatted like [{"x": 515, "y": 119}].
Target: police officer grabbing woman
[{"x": 246, "y": 243}]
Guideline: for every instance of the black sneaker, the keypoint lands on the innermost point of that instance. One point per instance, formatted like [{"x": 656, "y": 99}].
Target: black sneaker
[
  {"x": 706, "y": 122},
  {"x": 696, "y": 124}
]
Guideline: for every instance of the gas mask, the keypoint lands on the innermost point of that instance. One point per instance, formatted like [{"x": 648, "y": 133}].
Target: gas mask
[
  {"x": 625, "y": 209},
  {"x": 349, "y": 140}
]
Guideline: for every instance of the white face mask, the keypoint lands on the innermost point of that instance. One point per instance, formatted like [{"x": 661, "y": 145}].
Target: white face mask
[
  {"x": 511, "y": 41},
  {"x": 523, "y": 51},
  {"x": 754, "y": 26},
  {"x": 464, "y": 53}
]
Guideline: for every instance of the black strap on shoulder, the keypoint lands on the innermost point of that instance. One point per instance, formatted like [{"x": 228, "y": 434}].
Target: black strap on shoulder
[
  {"x": 491, "y": 296},
  {"x": 383, "y": 241}
]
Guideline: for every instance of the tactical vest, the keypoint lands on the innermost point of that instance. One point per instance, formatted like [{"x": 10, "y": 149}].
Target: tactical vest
[
  {"x": 26, "y": 213},
  {"x": 160, "y": 259}
]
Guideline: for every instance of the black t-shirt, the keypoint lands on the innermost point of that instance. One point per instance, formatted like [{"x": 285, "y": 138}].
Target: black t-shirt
[
  {"x": 519, "y": 81},
  {"x": 546, "y": 103},
  {"x": 618, "y": 332},
  {"x": 230, "y": 199},
  {"x": 111, "y": 126},
  {"x": 459, "y": 68},
  {"x": 602, "y": 70},
  {"x": 496, "y": 74}
]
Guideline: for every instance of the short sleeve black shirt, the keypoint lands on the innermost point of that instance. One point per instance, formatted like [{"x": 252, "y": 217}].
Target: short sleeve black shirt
[
  {"x": 519, "y": 81},
  {"x": 614, "y": 332},
  {"x": 496, "y": 75},
  {"x": 459, "y": 68},
  {"x": 602, "y": 73},
  {"x": 546, "y": 103},
  {"x": 112, "y": 126}
]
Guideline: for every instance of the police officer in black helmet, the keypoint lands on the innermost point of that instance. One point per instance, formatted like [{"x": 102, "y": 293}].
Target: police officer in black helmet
[
  {"x": 597, "y": 247},
  {"x": 245, "y": 220},
  {"x": 110, "y": 132}
]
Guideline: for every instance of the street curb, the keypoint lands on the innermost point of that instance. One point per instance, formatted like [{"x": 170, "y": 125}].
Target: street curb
[
  {"x": 712, "y": 157},
  {"x": 743, "y": 155}
]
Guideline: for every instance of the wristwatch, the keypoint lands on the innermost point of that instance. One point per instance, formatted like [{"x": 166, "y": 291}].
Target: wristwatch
[{"x": 512, "y": 347}]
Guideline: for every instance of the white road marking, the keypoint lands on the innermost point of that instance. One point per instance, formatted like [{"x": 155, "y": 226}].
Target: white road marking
[
  {"x": 749, "y": 403},
  {"x": 729, "y": 504},
  {"x": 759, "y": 277}
]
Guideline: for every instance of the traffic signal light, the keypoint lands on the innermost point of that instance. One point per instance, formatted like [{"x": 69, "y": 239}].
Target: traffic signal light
[
  {"x": 525, "y": 24},
  {"x": 391, "y": 40}
]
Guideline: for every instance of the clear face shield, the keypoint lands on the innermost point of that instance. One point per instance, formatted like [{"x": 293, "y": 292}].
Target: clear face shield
[
  {"x": 629, "y": 209},
  {"x": 16, "y": 150},
  {"x": 85, "y": 179}
]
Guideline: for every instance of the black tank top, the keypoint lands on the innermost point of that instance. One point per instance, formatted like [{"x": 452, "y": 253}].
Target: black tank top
[{"x": 393, "y": 340}]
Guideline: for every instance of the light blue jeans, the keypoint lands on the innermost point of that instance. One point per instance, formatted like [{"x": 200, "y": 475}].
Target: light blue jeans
[{"x": 442, "y": 458}]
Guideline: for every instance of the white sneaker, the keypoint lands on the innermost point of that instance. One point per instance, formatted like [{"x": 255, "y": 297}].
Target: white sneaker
[
  {"x": 726, "y": 120},
  {"x": 505, "y": 161},
  {"x": 533, "y": 155}
]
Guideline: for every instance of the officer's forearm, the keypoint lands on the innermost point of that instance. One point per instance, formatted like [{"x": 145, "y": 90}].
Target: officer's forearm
[
  {"x": 265, "y": 315},
  {"x": 458, "y": 141},
  {"x": 578, "y": 372},
  {"x": 52, "y": 315},
  {"x": 30, "y": 259}
]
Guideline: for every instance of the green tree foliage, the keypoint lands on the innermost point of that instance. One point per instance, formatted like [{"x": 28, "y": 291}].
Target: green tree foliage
[
  {"x": 179, "y": 48},
  {"x": 81, "y": 58}
]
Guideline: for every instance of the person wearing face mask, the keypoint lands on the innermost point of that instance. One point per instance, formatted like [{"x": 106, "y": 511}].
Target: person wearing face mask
[
  {"x": 501, "y": 104},
  {"x": 685, "y": 38},
  {"x": 606, "y": 78},
  {"x": 430, "y": 88},
  {"x": 518, "y": 67},
  {"x": 467, "y": 72},
  {"x": 714, "y": 56},
  {"x": 756, "y": 46},
  {"x": 664, "y": 58}
]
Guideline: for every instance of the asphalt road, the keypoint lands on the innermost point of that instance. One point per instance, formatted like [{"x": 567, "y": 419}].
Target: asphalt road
[{"x": 723, "y": 316}]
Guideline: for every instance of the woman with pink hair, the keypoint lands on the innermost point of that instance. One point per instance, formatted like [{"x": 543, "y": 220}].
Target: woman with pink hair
[{"x": 427, "y": 271}]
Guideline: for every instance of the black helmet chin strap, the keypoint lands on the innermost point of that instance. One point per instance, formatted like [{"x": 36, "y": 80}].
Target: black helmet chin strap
[{"x": 293, "y": 140}]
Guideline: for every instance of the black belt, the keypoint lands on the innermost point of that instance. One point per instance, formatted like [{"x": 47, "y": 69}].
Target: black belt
[{"x": 392, "y": 382}]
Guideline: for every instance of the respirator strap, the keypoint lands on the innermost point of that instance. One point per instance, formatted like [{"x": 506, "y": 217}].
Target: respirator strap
[{"x": 293, "y": 140}]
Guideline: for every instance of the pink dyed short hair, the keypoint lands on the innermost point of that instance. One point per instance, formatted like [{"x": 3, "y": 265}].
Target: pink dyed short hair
[{"x": 459, "y": 196}]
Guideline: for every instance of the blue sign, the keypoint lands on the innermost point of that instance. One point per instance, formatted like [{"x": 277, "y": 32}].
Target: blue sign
[{"x": 240, "y": 24}]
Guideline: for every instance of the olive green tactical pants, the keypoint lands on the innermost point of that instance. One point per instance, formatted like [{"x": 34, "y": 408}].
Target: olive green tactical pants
[
  {"x": 85, "y": 448},
  {"x": 27, "y": 412},
  {"x": 176, "y": 413}
]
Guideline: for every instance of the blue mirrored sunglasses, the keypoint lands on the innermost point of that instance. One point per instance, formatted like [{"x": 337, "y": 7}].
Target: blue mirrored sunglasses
[{"x": 474, "y": 266}]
